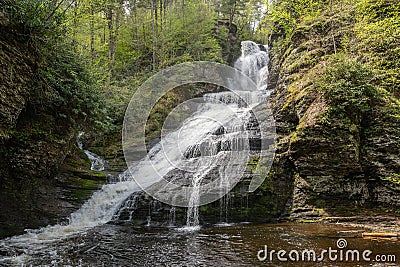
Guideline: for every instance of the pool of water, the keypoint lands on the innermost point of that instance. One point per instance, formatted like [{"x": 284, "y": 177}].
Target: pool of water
[{"x": 218, "y": 245}]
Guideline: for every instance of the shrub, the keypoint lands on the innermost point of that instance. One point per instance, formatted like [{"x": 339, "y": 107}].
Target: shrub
[{"x": 347, "y": 86}]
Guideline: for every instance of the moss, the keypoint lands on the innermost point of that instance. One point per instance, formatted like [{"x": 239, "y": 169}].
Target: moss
[
  {"x": 86, "y": 183},
  {"x": 203, "y": 208},
  {"x": 253, "y": 163},
  {"x": 98, "y": 175},
  {"x": 83, "y": 188},
  {"x": 394, "y": 180}
]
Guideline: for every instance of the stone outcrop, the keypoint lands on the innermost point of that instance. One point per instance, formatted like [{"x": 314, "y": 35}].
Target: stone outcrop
[
  {"x": 43, "y": 175},
  {"x": 343, "y": 166}
]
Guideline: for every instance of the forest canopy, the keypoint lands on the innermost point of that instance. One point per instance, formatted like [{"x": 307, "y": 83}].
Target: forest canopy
[{"x": 102, "y": 50}]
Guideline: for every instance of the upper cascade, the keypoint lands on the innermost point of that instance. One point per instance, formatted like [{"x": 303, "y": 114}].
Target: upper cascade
[
  {"x": 249, "y": 48},
  {"x": 254, "y": 63}
]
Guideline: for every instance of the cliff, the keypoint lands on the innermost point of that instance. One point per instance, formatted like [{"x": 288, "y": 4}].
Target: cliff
[
  {"x": 338, "y": 114},
  {"x": 43, "y": 175}
]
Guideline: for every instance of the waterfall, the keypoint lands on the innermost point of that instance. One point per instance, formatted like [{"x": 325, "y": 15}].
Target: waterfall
[
  {"x": 96, "y": 162},
  {"x": 172, "y": 216},
  {"x": 202, "y": 151},
  {"x": 192, "y": 220},
  {"x": 254, "y": 63}
]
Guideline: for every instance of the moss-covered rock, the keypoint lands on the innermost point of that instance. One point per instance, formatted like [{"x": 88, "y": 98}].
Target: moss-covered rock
[
  {"x": 43, "y": 175},
  {"x": 337, "y": 123}
]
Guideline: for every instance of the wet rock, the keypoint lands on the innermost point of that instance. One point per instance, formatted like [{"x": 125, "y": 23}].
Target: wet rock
[{"x": 43, "y": 175}]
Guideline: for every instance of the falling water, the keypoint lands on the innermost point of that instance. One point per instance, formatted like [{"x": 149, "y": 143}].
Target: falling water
[
  {"x": 206, "y": 143},
  {"x": 193, "y": 209},
  {"x": 127, "y": 208},
  {"x": 96, "y": 162},
  {"x": 172, "y": 216},
  {"x": 254, "y": 63}
]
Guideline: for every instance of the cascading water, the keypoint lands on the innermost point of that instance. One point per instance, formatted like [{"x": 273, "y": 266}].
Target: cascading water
[
  {"x": 193, "y": 209},
  {"x": 96, "y": 162},
  {"x": 254, "y": 63},
  {"x": 206, "y": 143}
]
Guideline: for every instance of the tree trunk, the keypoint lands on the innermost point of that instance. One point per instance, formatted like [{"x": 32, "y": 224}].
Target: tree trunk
[
  {"x": 332, "y": 32},
  {"x": 154, "y": 28},
  {"x": 113, "y": 17},
  {"x": 110, "y": 38},
  {"x": 92, "y": 51}
]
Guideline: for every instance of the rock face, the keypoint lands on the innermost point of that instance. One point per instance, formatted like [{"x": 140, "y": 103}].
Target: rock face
[
  {"x": 43, "y": 175},
  {"x": 339, "y": 162}
]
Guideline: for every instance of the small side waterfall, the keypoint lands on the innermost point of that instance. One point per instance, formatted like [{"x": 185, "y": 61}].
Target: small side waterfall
[{"x": 96, "y": 162}]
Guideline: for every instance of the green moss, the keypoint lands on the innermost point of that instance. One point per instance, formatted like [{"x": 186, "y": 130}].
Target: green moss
[
  {"x": 87, "y": 183},
  {"x": 394, "y": 179},
  {"x": 253, "y": 163},
  {"x": 98, "y": 175},
  {"x": 203, "y": 208},
  {"x": 83, "y": 188}
]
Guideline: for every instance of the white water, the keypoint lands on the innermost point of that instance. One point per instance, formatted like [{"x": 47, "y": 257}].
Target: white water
[
  {"x": 196, "y": 141},
  {"x": 96, "y": 162},
  {"x": 254, "y": 63},
  {"x": 193, "y": 209}
]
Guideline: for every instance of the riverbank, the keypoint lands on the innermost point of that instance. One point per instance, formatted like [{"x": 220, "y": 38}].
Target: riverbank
[{"x": 368, "y": 223}]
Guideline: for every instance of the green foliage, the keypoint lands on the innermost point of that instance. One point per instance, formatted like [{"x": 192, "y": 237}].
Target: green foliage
[
  {"x": 375, "y": 10},
  {"x": 347, "y": 85},
  {"x": 378, "y": 40},
  {"x": 39, "y": 20},
  {"x": 127, "y": 41},
  {"x": 34, "y": 14},
  {"x": 63, "y": 85},
  {"x": 282, "y": 20},
  {"x": 286, "y": 13},
  {"x": 190, "y": 37},
  {"x": 67, "y": 84}
]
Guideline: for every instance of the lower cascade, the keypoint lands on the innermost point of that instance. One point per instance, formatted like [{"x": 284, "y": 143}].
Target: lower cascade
[{"x": 205, "y": 143}]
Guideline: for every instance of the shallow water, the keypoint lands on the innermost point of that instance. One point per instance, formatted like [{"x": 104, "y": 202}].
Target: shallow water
[{"x": 218, "y": 245}]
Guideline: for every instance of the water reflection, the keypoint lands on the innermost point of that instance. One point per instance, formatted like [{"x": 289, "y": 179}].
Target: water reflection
[{"x": 230, "y": 245}]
